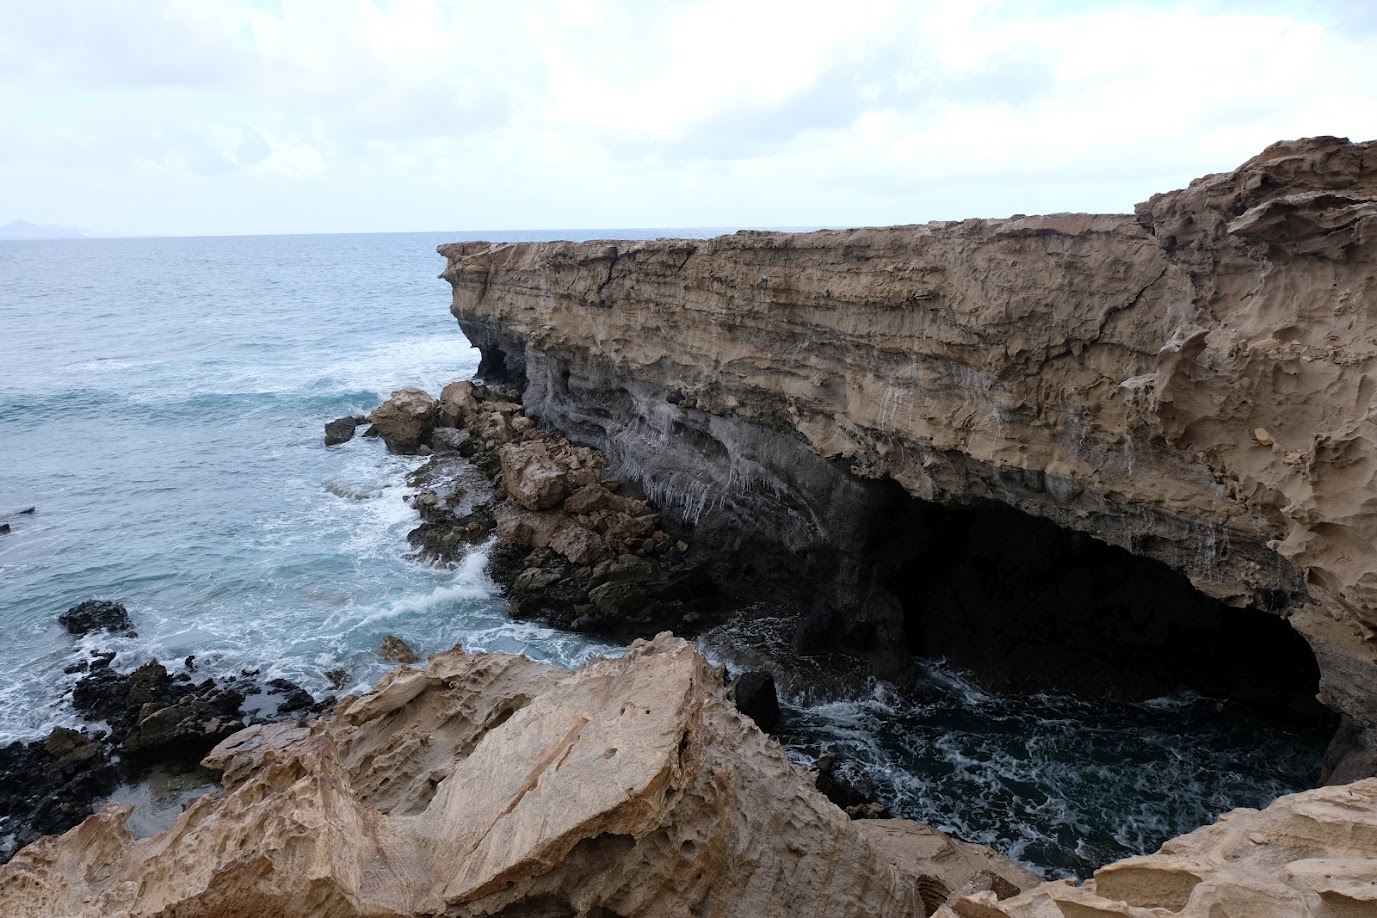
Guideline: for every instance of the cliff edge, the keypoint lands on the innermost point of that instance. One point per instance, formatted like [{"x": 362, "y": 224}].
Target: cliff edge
[{"x": 1193, "y": 383}]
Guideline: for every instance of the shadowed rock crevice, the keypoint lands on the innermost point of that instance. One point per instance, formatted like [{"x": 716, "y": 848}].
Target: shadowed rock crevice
[{"x": 1025, "y": 605}]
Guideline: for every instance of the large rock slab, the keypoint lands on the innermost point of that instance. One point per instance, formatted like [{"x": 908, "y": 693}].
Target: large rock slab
[{"x": 493, "y": 785}]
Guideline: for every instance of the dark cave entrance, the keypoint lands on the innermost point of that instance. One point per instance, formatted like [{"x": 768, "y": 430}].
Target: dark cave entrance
[{"x": 1025, "y": 606}]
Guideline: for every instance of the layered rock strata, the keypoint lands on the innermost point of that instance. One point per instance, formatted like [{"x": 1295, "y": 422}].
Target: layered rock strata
[
  {"x": 493, "y": 785},
  {"x": 1193, "y": 383}
]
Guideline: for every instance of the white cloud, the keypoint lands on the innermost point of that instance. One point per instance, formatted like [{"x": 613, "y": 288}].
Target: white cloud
[{"x": 307, "y": 115}]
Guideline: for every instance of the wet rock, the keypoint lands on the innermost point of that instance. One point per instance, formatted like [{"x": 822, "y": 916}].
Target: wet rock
[
  {"x": 395, "y": 650},
  {"x": 618, "y": 598},
  {"x": 294, "y": 697},
  {"x": 337, "y": 678},
  {"x": 340, "y": 430},
  {"x": 97, "y": 615},
  {"x": 450, "y": 439},
  {"x": 405, "y": 420},
  {"x": 754, "y": 695},
  {"x": 48, "y": 786},
  {"x": 844, "y": 782},
  {"x": 4, "y": 528}
]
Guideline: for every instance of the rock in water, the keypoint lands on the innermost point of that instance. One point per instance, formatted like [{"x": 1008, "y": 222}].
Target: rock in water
[
  {"x": 405, "y": 420},
  {"x": 340, "y": 430},
  {"x": 489, "y": 784},
  {"x": 395, "y": 650},
  {"x": 97, "y": 615}
]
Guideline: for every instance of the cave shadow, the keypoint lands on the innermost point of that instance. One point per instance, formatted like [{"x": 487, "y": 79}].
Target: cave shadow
[{"x": 1024, "y": 605}]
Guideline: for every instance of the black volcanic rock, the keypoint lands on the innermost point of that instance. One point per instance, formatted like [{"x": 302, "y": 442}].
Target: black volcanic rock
[
  {"x": 340, "y": 430},
  {"x": 97, "y": 615}
]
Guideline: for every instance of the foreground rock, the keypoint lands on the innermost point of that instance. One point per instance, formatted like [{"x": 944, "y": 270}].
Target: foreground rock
[
  {"x": 1193, "y": 383},
  {"x": 493, "y": 785},
  {"x": 1313, "y": 853}
]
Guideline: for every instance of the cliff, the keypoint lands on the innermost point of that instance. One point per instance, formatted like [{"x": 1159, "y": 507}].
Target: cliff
[
  {"x": 1193, "y": 383},
  {"x": 489, "y": 784}
]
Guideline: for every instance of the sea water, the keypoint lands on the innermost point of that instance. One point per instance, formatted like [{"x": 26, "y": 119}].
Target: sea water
[{"x": 161, "y": 408}]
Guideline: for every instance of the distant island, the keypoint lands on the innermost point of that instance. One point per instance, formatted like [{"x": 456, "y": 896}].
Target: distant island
[{"x": 23, "y": 229}]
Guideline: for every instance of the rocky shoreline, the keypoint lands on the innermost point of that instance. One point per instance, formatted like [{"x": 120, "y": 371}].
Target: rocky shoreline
[
  {"x": 573, "y": 547},
  {"x": 144, "y": 720}
]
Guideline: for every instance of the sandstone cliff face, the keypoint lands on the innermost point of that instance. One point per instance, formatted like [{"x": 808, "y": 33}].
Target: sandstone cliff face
[
  {"x": 1193, "y": 383},
  {"x": 492, "y": 785}
]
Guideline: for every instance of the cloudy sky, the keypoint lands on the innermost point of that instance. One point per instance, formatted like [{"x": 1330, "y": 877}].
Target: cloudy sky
[{"x": 286, "y": 116}]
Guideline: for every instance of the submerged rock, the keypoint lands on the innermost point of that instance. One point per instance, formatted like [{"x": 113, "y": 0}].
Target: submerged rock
[
  {"x": 97, "y": 615},
  {"x": 489, "y": 784}
]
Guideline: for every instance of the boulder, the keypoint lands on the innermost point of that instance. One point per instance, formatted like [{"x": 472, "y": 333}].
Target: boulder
[
  {"x": 618, "y": 598},
  {"x": 457, "y": 404},
  {"x": 489, "y": 784},
  {"x": 533, "y": 476},
  {"x": 453, "y": 440},
  {"x": 405, "y": 420},
  {"x": 340, "y": 430},
  {"x": 844, "y": 782},
  {"x": 97, "y": 615},
  {"x": 395, "y": 650}
]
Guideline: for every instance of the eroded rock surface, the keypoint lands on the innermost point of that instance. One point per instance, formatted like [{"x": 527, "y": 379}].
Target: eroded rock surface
[
  {"x": 1194, "y": 383},
  {"x": 1309, "y": 854},
  {"x": 492, "y": 785},
  {"x": 405, "y": 420}
]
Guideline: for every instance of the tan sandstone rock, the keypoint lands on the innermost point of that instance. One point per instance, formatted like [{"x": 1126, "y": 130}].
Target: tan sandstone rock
[
  {"x": 1308, "y": 854},
  {"x": 405, "y": 420},
  {"x": 492, "y": 785}
]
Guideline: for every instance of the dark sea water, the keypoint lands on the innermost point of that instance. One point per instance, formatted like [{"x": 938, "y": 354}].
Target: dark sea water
[{"x": 162, "y": 403}]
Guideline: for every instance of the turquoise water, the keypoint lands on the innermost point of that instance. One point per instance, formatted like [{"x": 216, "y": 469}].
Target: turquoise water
[{"x": 162, "y": 403}]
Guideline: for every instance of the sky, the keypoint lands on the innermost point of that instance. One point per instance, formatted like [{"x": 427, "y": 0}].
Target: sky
[{"x": 187, "y": 117}]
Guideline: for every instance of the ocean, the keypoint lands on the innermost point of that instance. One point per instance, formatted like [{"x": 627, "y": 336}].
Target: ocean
[{"x": 161, "y": 408}]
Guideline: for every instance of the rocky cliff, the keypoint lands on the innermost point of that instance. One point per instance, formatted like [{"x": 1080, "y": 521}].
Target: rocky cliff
[
  {"x": 489, "y": 784},
  {"x": 1193, "y": 383}
]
